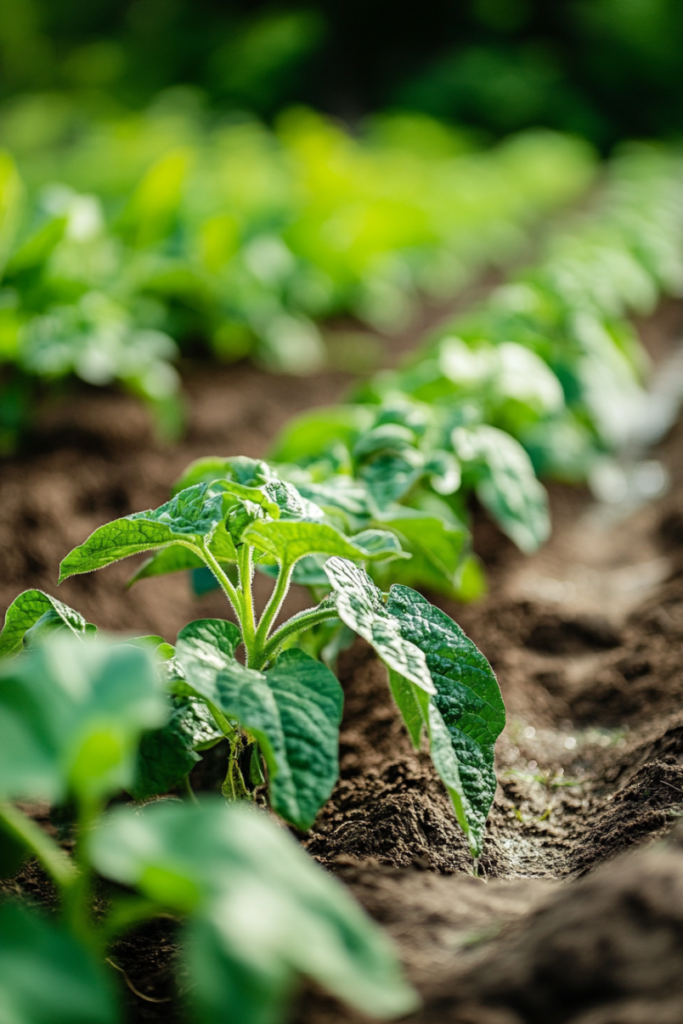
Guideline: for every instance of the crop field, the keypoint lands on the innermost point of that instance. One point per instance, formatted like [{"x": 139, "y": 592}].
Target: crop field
[{"x": 341, "y": 518}]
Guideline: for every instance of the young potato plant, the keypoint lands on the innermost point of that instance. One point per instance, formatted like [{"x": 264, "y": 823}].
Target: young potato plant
[
  {"x": 280, "y": 708},
  {"x": 254, "y": 912}
]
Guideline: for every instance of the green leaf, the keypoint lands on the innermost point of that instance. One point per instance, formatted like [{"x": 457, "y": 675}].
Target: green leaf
[
  {"x": 26, "y": 611},
  {"x": 359, "y": 604},
  {"x": 390, "y": 476},
  {"x": 505, "y": 483},
  {"x": 309, "y": 702},
  {"x": 379, "y": 544},
  {"x": 71, "y": 716},
  {"x": 166, "y": 756},
  {"x": 289, "y": 541},
  {"x": 191, "y": 518},
  {"x": 466, "y": 715},
  {"x": 208, "y": 645},
  {"x": 294, "y": 711},
  {"x": 46, "y": 976},
  {"x": 436, "y": 546},
  {"x": 263, "y": 913},
  {"x": 243, "y": 470}
]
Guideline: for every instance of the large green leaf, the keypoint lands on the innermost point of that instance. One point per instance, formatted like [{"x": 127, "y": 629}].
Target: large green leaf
[
  {"x": 505, "y": 483},
  {"x": 465, "y": 716},
  {"x": 71, "y": 716},
  {"x": 360, "y": 605},
  {"x": 46, "y": 976},
  {"x": 294, "y": 711},
  {"x": 190, "y": 518},
  {"x": 28, "y": 609},
  {"x": 310, "y": 702},
  {"x": 263, "y": 913},
  {"x": 289, "y": 541}
]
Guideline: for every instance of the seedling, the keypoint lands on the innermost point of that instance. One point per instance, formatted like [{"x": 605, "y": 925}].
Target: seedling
[{"x": 280, "y": 708}]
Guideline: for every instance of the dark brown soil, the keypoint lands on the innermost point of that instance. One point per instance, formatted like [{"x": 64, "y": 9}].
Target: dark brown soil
[{"x": 577, "y": 913}]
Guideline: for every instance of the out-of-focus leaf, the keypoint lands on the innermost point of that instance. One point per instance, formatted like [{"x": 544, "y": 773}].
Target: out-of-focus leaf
[
  {"x": 263, "y": 913},
  {"x": 46, "y": 976},
  {"x": 71, "y": 716}
]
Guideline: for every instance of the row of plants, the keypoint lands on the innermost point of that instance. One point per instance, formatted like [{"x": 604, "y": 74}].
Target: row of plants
[
  {"x": 128, "y": 240},
  {"x": 544, "y": 378},
  {"x": 363, "y": 500}
]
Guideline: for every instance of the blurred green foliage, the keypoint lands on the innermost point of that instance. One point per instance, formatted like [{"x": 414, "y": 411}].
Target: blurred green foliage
[
  {"x": 545, "y": 377},
  {"x": 607, "y": 69},
  {"x": 131, "y": 237}
]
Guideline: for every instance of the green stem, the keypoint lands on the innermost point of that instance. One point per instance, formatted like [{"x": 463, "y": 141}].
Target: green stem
[
  {"x": 273, "y": 607},
  {"x": 58, "y": 864},
  {"x": 234, "y": 787},
  {"x": 231, "y": 592},
  {"x": 189, "y": 790},
  {"x": 245, "y": 566},
  {"x": 78, "y": 902},
  {"x": 297, "y": 624}
]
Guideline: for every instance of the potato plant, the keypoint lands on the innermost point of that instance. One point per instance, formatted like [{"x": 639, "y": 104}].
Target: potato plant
[{"x": 280, "y": 709}]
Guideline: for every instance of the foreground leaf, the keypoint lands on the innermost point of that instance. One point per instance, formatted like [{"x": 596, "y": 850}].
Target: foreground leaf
[
  {"x": 190, "y": 519},
  {"x": 465, "y": 716},
  {"x": 71, "y": 716},
  {"x": 262, "y": 913},
  {"x": 360, "y": 606},
  {"x": 46, "y": 977},
  {"x": 27, "y": 609}
]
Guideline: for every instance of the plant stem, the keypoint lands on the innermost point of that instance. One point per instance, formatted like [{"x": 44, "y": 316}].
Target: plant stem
[
  {"x": 234, "y": 787},
  {"x": 231, "y": 592},
  {"x": 78, "y": 902},
  {"x": 297, "y": 624},
  {"x": 274, "y": 605},
  {"x": 58, "y": 864},
  {"x": 189, "y": 790},
  {"x": 245, "y": 566}
]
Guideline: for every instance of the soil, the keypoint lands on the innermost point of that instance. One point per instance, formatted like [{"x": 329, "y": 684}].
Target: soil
[{"x": 576, "y": 913}]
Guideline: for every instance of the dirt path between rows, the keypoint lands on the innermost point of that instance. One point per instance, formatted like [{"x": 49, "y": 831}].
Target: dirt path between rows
[{"x": 586, "y": 638}]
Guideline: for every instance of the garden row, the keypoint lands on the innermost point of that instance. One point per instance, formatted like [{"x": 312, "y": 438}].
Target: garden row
[
  {"x": 545, "y": 374},
  {"x": 128, "y": 241}
]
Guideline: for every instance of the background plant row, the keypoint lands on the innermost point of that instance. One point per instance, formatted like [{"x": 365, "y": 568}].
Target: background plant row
[
  {"x": 544, "y": 378},
  {"x": 128, "y": 240}
]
